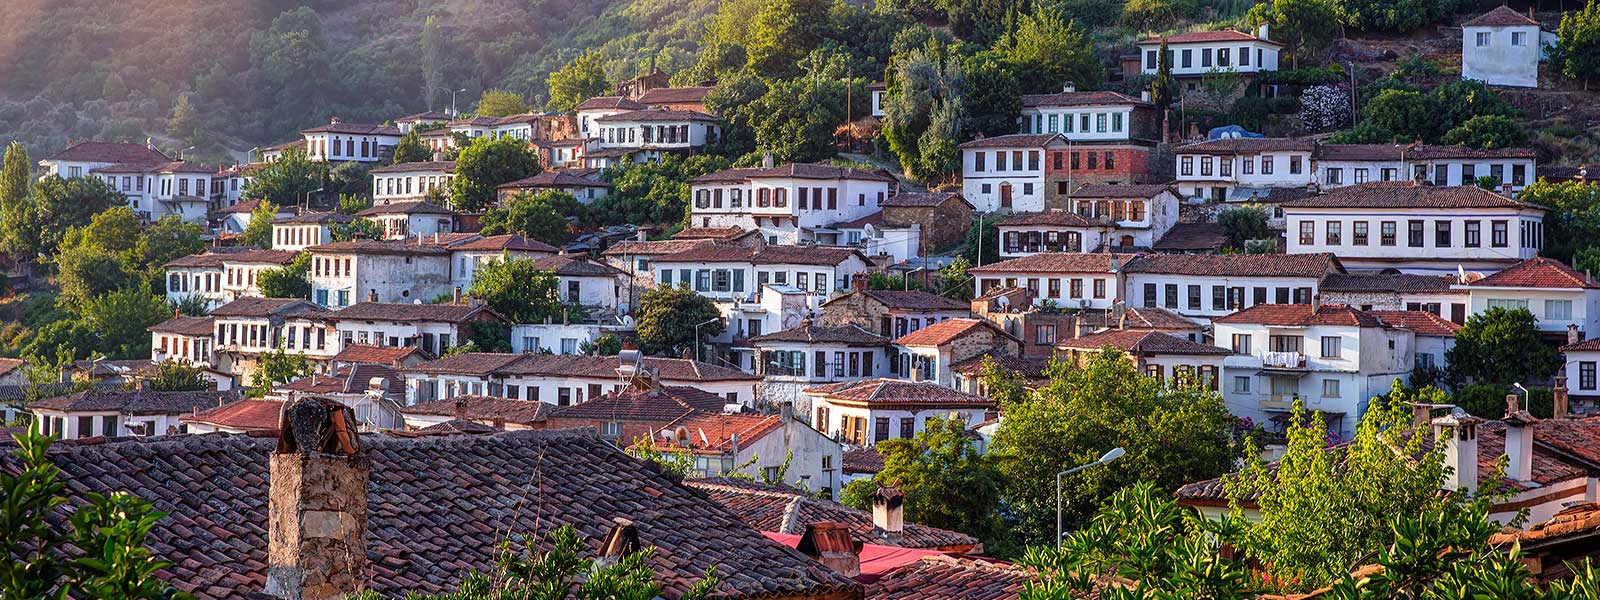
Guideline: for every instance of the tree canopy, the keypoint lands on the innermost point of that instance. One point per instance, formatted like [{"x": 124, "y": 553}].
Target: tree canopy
[
  {"x": 1501, "y": 346},
  {"x": 947, "y": 482},
  {"x": 539, "y": 215},
  {"x": 486, "y": 163},
  {"x": 518, "y": 290},
  {"x": 668, "y": 316}
]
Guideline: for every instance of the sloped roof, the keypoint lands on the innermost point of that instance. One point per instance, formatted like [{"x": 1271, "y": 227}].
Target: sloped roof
[
  {"x": 1247, "y": 145},
  {"x": 812, "y": 333},
  {"x": 865, "y": 459},
  {"x": 1059, "y": 218},
  {"x": 475, "y": 488},
  {"x": 431, "y": 166},
  {"x": 946, "y": 331},
  {"x": 265, "y": 307},
  {"x": 1407, "y": 194},
  {"x": 1138, "y": 317},
  {"x": 1089, "y": 98},
  {"x": 111, "y": 152},
  {"x": 1057, "y": 262},
  {"x": 553, "y": 179},
  {"x": 1122, "y": 190},
  {"x": 350, "y": 379},
  {"x": 1420, "y": 322},
  {"x": 403, "y": 311},
  {"x": 378, "y": 355},
  {"x": 512, "y": 241},
  {"x": 355, "y": 128},
  {"x": 711, "y": 233},
  {"x": 1142, "y": 343},
  {"x": 609, "y": 103},
  {"x": 882, "y": 393},
  {"x": 409, "y": 208},
  {"x": 1538, "y": 272},
  {"x": 484, "y": 408},
  {"x": 247, "y": 415},
  {"x": 951, "y": 577},
  {"x": 190, "y": 326},
  {"x": 1387, "y": 282},
  {"x": 674, "y": 95},
  {"x": 922, "y": 200},
  {"x": 653, "y": 247},
  {"x": 573, "y": 365},
  {"x": 574, "y": 266},
  {"x": 724, "y": 433},
  {"x": 1302, "y": 315},
  {"x": 656, "y": 115},
  {"x": 136, "y": 402},
  {"x": 915, "y": 300},
  {"x": 1500, "y": 16},
  {"x": 310, "y": 218},
  {"x": 1197, "y": 37},
  {"x": 1188, "y": 237},
  {"x": 782, "y": 509},
  {"x": 1238, "y": 265},
  {"x": 661, "y": 405},
  {"x": 432, "y": 115},
  {"x": 1015, "y": 140},
  {"x": 379, "y": 247}
]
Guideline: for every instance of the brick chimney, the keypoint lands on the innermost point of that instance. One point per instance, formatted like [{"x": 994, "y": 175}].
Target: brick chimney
[
  {"x": 622, "y": 541},
  {"x": 1573, "y": 337},
  {"x": 888, "y": 509},
  {"x": 1519, "y": 440},
  {"x": 1457, "y": 435},
  {"x": 831, "y": 545},
  {"x": 1560, "y": 394},
  {"x": 317, "y": 503}
]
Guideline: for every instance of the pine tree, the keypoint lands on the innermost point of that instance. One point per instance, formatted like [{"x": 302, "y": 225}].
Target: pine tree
[
  {"x": 432, "y": 74},
  {"x": 184, "y": 125},
  {"x": 1162, "y": 89},
  {"x": 14, "y": 203}
]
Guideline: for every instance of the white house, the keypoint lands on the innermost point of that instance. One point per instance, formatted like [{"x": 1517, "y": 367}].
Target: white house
[
  {"x": 1331, "y": 357},
  {"x": 595, "y": 285},
  {"x": 1415, "y": 228},
  {"x": 237, "y": 217},
  {"x": 413, "y": 218},
  {"x": 306, "y": 229},
  {"x": 1007, "y": 173},
  {"x": 658, "y": 130},
  {"x": 221, "y": 277},
  {"x": 559, "y": 338},
  {"x": 1579, "y": 369},
  {"x": 799, "y": 357},
  {"x": 931, "y": 354},
  {"x": 247, "y": 327},
  {"x": 467, "y": 256},
  {"x": 81, "y": 158},
  {"x": 1514, "y": 168},
  {"x": 343, "y": 273},
  {"x": 1198, "y": 53},
  {"x": 240, "y": 270},
  {"x": 435, "y": 328},
  {"x": 589, "y": 111},
  {"x": 1502, "y": 47},
  {"x": 728, "y": 272},
  {"x": 1233, "y": 169},
  {"x": 772, "y": 446},
  {"x": 1435, "y": 336},
  {"x": 879, "y": 90},
  {"x": 340, "y": 141},
  {"x": 111, "y": 413},
  {"x": 585, "y": 189},
  {"x": 788, "y": 204},
  {"x": 411, "y": 181},
  {"x": 1068, "y": 279},
  {"x": 182, "y": 339},
  {"x": 866, "y": 412},
  {"x": 1155, "y": 354},
  {"x": 1371, "y": 292},
  {"x": 1558, "y": 296},
  {"x": 178, "y": 188},
  {"x": 564, "y": 379},
  {"x": 1117, "y": 217},
  {"x": 423, "y": 119},
  {"x": 1206, "y": 287}
]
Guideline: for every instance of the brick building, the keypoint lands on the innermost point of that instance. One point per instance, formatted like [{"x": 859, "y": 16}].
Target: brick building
[{"x": 943, "y": 216}]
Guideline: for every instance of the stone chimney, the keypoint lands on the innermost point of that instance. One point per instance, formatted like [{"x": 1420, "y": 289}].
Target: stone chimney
[
  {"x": 786, "y": 412},
  {"x": 1573, "y": 336},
  {"x": 317, "y": 503},
  {"x": 1560, "y": 394},
  {"x": 455, "y": 295},
  {"x": 888, "y": 509},
  {"x": 622, "y": 541},
  {"x": 641, "y": 235},
  {"x": 1457, "y": 434},
  {"x": 372, "y": 295},
  {"x": 1519, "y": 440},
  {"x": 767, "y": 161},
  {"x": 831, "y": 545}
]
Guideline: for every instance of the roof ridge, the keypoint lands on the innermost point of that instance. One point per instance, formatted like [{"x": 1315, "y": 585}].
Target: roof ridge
[{"x": 791, "y": 514}]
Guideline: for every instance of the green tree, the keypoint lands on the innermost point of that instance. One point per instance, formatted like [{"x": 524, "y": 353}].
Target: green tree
[
  {"x": 107, "y": 531},
  {"x": 1155, "y": 15},
  {"x": 1302, "y": 26},
  {"x": 277, "y": 367},
  {"x": 178, "y": 376},
  {"x": 288, "y": 181},
  {"x": 1220, "y": 84},
  {"x": 795, "y": 119},
  {"x": 605, "y": 345},
  {"x": 650, "y": 192},
  {"x": 60, "y": 342},
  {"x": 15, "y": 205},
  {"x": 500, "y": 103},
  {"x": 576, "y": 81},
  {"x": 954, "y": 282},
  {"x": 58, "y": 205},
  {"x": 1047, "y": 50},
  {"x": 993, "y": 97},
  {"x": 366, "y": 229},
  {"x": 1004, "y": 386},
  {"x": 1172, "y": 435},
  {"x": 923, "y": 111},
  {"x": 1576, "y": 53},
  {"x": 539, "y": 215},
  {"x": 1574, "y": 218},
  {"x": 432, "y": 65},
  {"x": 518, "y": 290},
  {"x": 86, "y": 272},
  {"x": 115, "y": 230},
  {"x": 288, "y": 281},
  {"x": 258, "y": 232},
  {"x": 184, "y": 125},
  {"x": 1243, "y": 223},
  {"x": 486, "y": 163},
  {"x": 166, "y": 240},
  {"x": 121, "y": 320},
  {"x": 411, "y": 149},
  {"x": 668, "y": 316},
  {"x": 1487, "y": 131},
  {"x": 1164, "y": 89},
  {"x": 1501, "y": 346},
  {"x": 350, "y": 204},
  {"x": 1587, "y": 260},
  {"x": 947, "y": 482}
]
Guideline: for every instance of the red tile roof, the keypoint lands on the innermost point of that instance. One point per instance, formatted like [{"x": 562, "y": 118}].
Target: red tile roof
[
  {"x": 265, "y": 307},
  {"x": 515, "y": 242},
  {"x": 863, "y": 460},
  {"x": 1188, "y": 237},
  {"x": 378, "y": 247},
  {"x": 1387, "y": 282},
  {"x": 1015, "y": 140},
  {"x": 553, "y": 179},
  {"x": 1407, "y": 195},
  {"x": 812, "y": 333},
  {"x": 653, "y": 248},
  {"x": 1313, "y": 266},
  {"x": 485, "y": 409},
  {"x": 1142, "y": 343},
  {"x": 111, "y": 152},
  {"x": 378, "y": 355},
  {"x": 1302, "y": 315},
  {"x": 666, "y": 369},
  {"x": 782, "y": 509},
  {"x": 952, "y": 578},
  {"x": 654, "y": 115},
  {"x": 661, "y": 405},
  {"x": 922, "y": 199},
  {"x": 915, "y": 300},
  {"x": 136, "y": 402},
  {"x": 246, "y": 415},
  {"x": 1422, "y": 323},
  {"x": 674, "y": 95},
  {"x": 710, "y": 233},
  {"x": 1538, "y": 272},
  {"x": 1196, "y": 37},
  {"x": 946, "y": 331},
  {"x": 414, "y": 207},
  {"x": 354, "y": 128},
  {"x": 1092, "y": 98},
  {"x": 1248, "y": 146},
  {"x": 429, "y": 166},
  {"x": 1057, "y": 262},
  {"x": 883, "y": 393},
  {"x": 609, "y": 103},
  {"x": 1501, "y": 16},
  {"x": 724, "y": 433},
  {"x": 1156, "y": 318},
  {"x": 189, "y": 326},
  {"x": 1122, "y": 190},
  {"x": 1058, "y": 218}
]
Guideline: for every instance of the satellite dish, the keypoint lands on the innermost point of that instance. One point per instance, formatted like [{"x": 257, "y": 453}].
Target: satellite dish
[
  {"x": 1003, "y": 302},
  {"x": 627, "y": 321}
]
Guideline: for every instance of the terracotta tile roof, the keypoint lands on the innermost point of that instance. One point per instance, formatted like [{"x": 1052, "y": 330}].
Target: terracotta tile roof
[
  {"x": 1422, "y": 323},
  {"x": 674, "y": 95},
  {"x": 169, "y": 167},
  {"x": 1589, "y": 345},
  {"x": 309, "y": 218},
  {"x": 1407, "y": 194},
  {"x": 724, "y": 433},
  {"x": 1197, "y": 37},
  {"x": 430, "y": 166},
  {"x": 1156, "y": 318},
  {"x": 9, "y": 365},
  {"x": 782, "y": 509},
  {"x": 514, "y": 242},
  {"x": 215, "y": 259},
  {"x": 415, "y": 207},
  {"x": 710, "y": 233},
  {"x": 445, "y": 240},
  {"x": 661, "y": 405},
  {"x": 1029, "y": 368},
  {"x": 249, "y": 206},
  {"x": 574, "y": 266},
  {"x": 484, "y": 408},
  {"x": 666, "y": 369},
  {"x": 111, "y": 152},
  {"x": 1238, "y": 265},
  {"x": 378, "y": 355},
  {"x": 951, "y": 578},
  {"x": 1059, "y": 218},
  {"x": 1190, "y": 237},
  {"x": 475, "y": 121},
  {"x": 1393, "y": 152},
  {"x": 1573, "y": 523},
  {"x": 404, "y": 311},
  {"x": 921, "y": 200},
  {"x": 863, "y": 460},
  {"x": 725, "y": 176},
  {"x": 355, "y": 128},
  {"x": 136, "y": 402},
  {"x": 432, "y": 115},
  {"x": 190, "y": 326},
  {"x": 1359, "y": 152},
  {"x": 1247, "y": 146},
  {"x": 812, "y": 333},
  {"x": 1080, "y": 99},
  {"x": 1577, "y": 439},
  {"x": 770, "y": 255},
  {"x": 469, "y": 363},
  {"x": 553, "y": 179},
  {"x": 455, "y": 426},
  {"x": 1538, "y": 272},
  {"x": 378, "y": 247},
  {"x": 1123, "y": 190},
  {"x": 1387, "y": 282},
  {"x": 1057, "y": 262},
  {"x": 246, "y": 415},
  {"x": 476, "y": 489},
  {"x": 266, "y": 307},
  {"x": 818, "y": 171},
  {"x": 653, "y": 115},
  {"x": 350, "y": 379},
  {"x": 883, "y": 393},
  {"x": 946, "y": 331},
  {"x": 1500, "y": 16},
  {"x": 1439, "y": 152},
  {"x": 915, "y": 300},
  {"x": 1015, "y": 140},
  {"x": 653, "y": 248},
  {"x": 1142, "y": 343},
  {"x": 875, "y": 218},
  {"x": 1302, "y": 315}
]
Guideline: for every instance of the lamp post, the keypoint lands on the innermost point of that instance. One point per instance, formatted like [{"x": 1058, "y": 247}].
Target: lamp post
[
  {"x": 697, "y": 327},
  {"x": 453, "y": 93},
  {"x": 1109, "y": 456}
]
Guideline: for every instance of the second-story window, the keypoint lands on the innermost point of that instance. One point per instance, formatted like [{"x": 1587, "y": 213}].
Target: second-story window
[
  {"x": 1387, "y": 233},
  {"x": 1308, "y": 233},
  {"x": 1294, "y": 165},
  {"x": 1033, "y": 160},
  {"x": 1185, "y": 165},
  {"x": 1498, "y": 234},
  {"x": 1266, "y": 165},
  {"x": 1441, "y": 234},
  {"x": 978, "y": 160},
  {"x": 1333, "y": 232},
  {"x": 1205, "y": 166},
  {"x": 1414, "y": 234}
]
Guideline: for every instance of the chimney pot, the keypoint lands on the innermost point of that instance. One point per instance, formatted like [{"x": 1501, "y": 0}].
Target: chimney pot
[
  {"x": 831, "y": 545},
  {"x": 888, "y": 509},
  {"x": 1560, "y": 397},
  {"x": 1519, "y": 441},
  {"x": 317, "y": 503},
  {"x": 1457, "y": 433},
  {"x": 1573, "y": 335}
]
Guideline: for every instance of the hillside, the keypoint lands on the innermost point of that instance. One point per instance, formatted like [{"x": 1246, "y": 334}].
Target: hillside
[{"x": 255, "y": 70}]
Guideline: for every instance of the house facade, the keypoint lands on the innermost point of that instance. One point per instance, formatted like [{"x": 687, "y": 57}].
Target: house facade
[
  {"x": 1208, "y": 287},
  {"x": 411, "y": 181},
  {"x": 863, "y": 413},
  {"x": 1009, "y": 173},
  {"x": 1101, "y": 217},
  {"x": 565, "y": 380},
  {"x": 1502, "y": 47},
  {"x": 1559, "y": 297},
  {"x": 339, "y": 142},
  {"x": 788, "y": 204},
  {"x": 343, "y": 273},
  {"x": 1068, "y": 279}
]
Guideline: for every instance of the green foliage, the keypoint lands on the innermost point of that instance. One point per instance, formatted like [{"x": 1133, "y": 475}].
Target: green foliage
[
  {"x": 1395, "y": 15},
  {"x": 185, "y": 125},
  {"x": 362, "y": 228},
  {"x": 1305, "y": 76},
  {"x": 108, "y": 532},
  {"x": 409, "y": 149},
  {"x": 1487, "y": 131},
  {"x": 1243, "y": 223},
  {"x": 277, "y": 367},
  {"x": 488, "y": 337},
  {"x": 1164, "y": 89},
  {"x": 121, "y": 318},
  {"x": 258, "y": 232},
  {"x": 178, "y": 376},
  {"x": 1416, "y": 66},
  {"x": 1399, "y": 115},
  {"x": 887, "y": 281},
  {"x": 538, "y": 215},
  {"x": 1004, "y": 386},
  {"x": 1573, "y": 222},
  {"x": 1172, "y": 435},
  {"x": 1502, "y": 347},
  {"x": 993, "y": 98},
  {"x": 53, "y": 208},
  {"x": 1046, "y": 49},
  {"x": 1488, "y": 401},
  {"x": 486, "y": 163},
  {"x": 924, "y": 111},
  {"x": 677, "y": 463},
  {"x": 350, "y": 204},
  {"x": 579, "y": 80},
  {"x": 605, "y": 345},
  {"x": 954, "y": 282},
  {"x": 1155, "y": 15},
  {"x": 1576, "y": 53},
  {"x": 650, "y": 192},
  {"x": 166, "y": 240},
  {"x": 518, "y": 290},
  {"x": 947, "y": 482},
  {"x": 288, "y": 281},
  {"x": 1587, "y": 260},
  {"x": 984, "y": 233},
  {"x": 86, "y": 272},
  {"x": 15, "y": 239},
  {"x": 192, "y": 305},
  {"x": 287, "y": 181},
  {"x": 1301, "y": 25},
  {"x": 667, "y": 319},
  {"x": 796, "y": 118},
  {"x": 500, "y": 103}
]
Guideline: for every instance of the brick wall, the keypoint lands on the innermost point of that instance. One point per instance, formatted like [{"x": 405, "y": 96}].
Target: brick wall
[{"x": 943, "y": 226}]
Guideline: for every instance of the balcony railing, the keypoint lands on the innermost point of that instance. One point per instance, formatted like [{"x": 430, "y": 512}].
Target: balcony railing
[
  {"x": 1284, "y": 360},
  {"x": 1279, "y": 401}
]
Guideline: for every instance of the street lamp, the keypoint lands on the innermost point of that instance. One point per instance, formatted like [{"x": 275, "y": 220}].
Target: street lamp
[
  {"x": 1109, "y": 456},
  {"x": 697, "y": 327},
  {"x": 453, "y": 93}
]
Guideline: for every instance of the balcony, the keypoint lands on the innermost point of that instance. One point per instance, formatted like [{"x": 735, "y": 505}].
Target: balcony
[
  {"x": 1279, "y": 402},
  {"x": 1283, "y": 360}
]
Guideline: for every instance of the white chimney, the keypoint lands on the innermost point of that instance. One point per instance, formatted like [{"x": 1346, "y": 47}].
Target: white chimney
[
  {"x": 1261, "y": 32},
  {"x": 1457, "y": 435},
  {"x": 1573, "y": 337},
  {"x": 888, "y": 509},
  {"x": 1145, "y": 96},
  {"x": 1519, "y": 440},
  {"x": 1069, "y": 87}
]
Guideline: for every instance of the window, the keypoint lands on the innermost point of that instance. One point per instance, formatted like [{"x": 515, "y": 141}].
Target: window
[
  {"x": 880, "y": 429},
  {"x": 1149, "y": 295},
  {"x": 1241, "y": 343},
  {"x": 1205, "y": 57},
  {"x": 1507, "y": 303},
  {"x": 1330, "y": 388},
  {"x": 1474, "y": 234},
  {"x": 1188, "y": 58},
  {"x": 1414, "y": 234},
  {"x": 1519, "y": 38},
  {"x": 1241, "y": 384},
  {"x": 1224, "y": 166},
  {"x": 1219, "y": 297},
  {"x": 1170, "y": 295},
  {"x": 1497, "y": 234},
  {"x": 1330, "y": 346},
  {"x": 1334, "y": 228},
  {"x": 1308, "y": 233},
  {"x": 1076, "y": 288},
  {"x": 1335, "y": 175},
  {"x": 1294, "y": 165},
  {"x": 1482, "y": 39},
  {"x": 1361, "y": 175},
  {"x": 1557, "y": 310},
  {"x": 1441, "y": 234},
  {"x": 1044, "y": 334},
  {"x": 1150, "y": 60},
  {"x": 1266, "y": 165},
  {"x": 1099, "y": 288},
  {"x": 1359, "y": 233},
  {"x": 1205, "y": 166},
  {"x": 1100, "y": 123},
  {"x": 1185, "y": 165},
  {"x": 1586, "y": 375},
  {"x": 1247, "y": 165},
  {"x": 1224, "y": 57},
  {"x": 1387, "y": 233},
  {"x": 1194, "y": 297}
]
